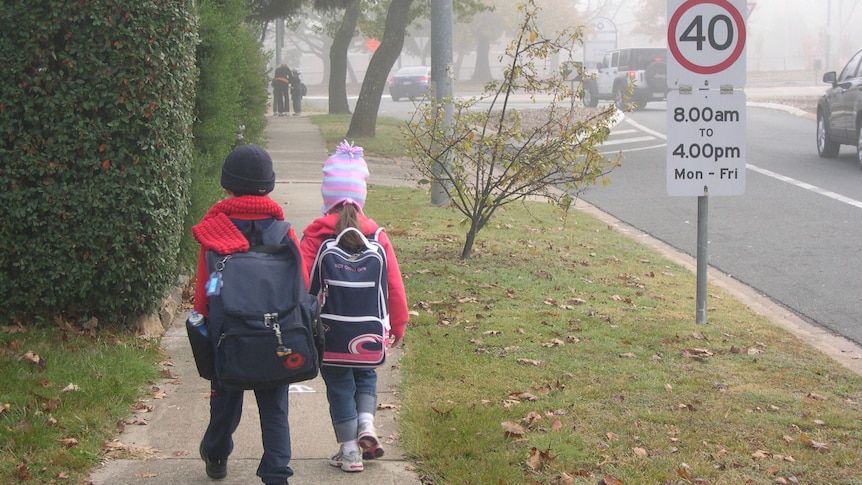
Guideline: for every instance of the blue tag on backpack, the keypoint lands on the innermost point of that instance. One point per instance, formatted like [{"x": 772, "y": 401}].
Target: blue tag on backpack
[{"x": 214, "y": 284}]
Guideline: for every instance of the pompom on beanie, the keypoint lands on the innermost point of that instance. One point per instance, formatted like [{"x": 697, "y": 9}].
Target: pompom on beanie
[
  {"x": 344, "y": 175},
  {"x": 247, "y": 170}
]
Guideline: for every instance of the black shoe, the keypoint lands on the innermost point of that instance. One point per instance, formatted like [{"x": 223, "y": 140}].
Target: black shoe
[{"x": 216, "y": 469}]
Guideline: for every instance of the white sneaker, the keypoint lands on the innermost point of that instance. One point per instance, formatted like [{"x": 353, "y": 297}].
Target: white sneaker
[
  {"x": 351, "y": 462},
  {"x": 368, "y": 441}
]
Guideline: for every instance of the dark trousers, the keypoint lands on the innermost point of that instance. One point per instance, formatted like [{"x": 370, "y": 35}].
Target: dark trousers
[
  {"x": 281, "y": 101},
  {"x": 225, "y": 415},
  {"x": 296, "y": 92}
]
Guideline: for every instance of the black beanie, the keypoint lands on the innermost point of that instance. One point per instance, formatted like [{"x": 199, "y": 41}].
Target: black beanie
[{"x": 247, "y": 170}]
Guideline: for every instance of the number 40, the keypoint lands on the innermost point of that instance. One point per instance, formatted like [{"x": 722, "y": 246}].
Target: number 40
[{"x": 694, "y": 32}]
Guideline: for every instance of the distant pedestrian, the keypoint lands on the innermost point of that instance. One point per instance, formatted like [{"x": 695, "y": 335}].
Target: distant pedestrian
[
  {"x": 281, "y": 91},
  {"x": 248, "y": 178},
  {"x": 297, "y": 91},
  {"x": 352, "y": 391}
]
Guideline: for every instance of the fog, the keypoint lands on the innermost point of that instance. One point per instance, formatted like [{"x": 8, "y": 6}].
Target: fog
[
  {"x": 805, "y": 37},
  {"x": 791, "y": 35}
]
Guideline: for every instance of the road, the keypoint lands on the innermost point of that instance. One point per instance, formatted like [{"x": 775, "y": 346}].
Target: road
[
  {"x": 796, "y": 233},
  {"x": 794, "y": 236}
]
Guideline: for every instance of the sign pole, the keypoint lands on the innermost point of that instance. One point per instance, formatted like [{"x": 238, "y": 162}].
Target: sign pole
[
  {"x": 706, "y": 111},
  {"x": 702, "y": 258}
]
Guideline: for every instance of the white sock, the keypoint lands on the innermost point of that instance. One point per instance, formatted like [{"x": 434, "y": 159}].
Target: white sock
[
  {"x": 365, "y": 418},
  {"x": 349, "y": 446}
]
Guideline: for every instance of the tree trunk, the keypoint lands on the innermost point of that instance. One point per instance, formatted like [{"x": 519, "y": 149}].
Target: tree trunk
[
  {"x": 482, "y": 72},
  {"x": 338, "y": 59},
  {"x": 363, "y": 123},
  {"x": 468, "y": 243}
]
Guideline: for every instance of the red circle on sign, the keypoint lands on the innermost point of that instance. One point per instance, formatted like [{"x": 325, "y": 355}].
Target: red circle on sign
[{"x": 695, "y": 68}]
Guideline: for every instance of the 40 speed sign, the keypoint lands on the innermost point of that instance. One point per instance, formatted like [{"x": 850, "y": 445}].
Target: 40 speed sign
[
  {"x": 706, "y": 40},
  {"x": 706, "y": 143},
  {"x": 706, "y": 106}
]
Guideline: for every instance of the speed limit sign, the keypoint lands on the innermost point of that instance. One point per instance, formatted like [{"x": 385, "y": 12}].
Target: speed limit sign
[{"x": 706, "y": 40}]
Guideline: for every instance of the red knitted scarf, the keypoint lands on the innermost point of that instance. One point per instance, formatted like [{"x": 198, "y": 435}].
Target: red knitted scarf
[{"x": 217, "y": 232}]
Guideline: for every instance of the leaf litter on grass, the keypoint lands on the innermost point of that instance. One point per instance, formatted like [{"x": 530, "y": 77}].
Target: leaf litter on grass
[{"x": 604, "y": 328}]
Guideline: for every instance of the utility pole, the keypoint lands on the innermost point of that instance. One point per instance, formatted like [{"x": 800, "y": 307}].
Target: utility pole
[
  {"x": 441, "y": 77},
  {"x": 279, "y": 40}
]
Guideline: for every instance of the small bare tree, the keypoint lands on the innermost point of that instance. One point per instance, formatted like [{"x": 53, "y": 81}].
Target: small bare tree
[{"x": 487, "y": 157}]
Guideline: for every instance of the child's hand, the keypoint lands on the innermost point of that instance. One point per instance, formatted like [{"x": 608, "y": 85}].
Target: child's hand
[{"x": 395, "y": 341}]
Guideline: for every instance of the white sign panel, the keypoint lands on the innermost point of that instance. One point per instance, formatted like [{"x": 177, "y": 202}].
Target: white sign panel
[
  {"x": 706, "y": 42},
  {"x": 706, "y": 143}
]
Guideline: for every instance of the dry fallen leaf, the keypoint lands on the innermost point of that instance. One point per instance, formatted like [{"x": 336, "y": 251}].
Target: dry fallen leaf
[
  {"x": 23, "y": 472},
  {"x": 554, "y": 343},
  {"x": 71, "y": 387},
  {"x": 31, "y": 357},
  {"x": 697, "y": 354},
  {"x": 512, "y": 429},
  {"x": 609, "y": 480},
  {"x": 817, "y": 445},
  {"x": 640, "y": 452},
  {"x": 538, "y": 458},
  {"x": 760, "y": 454},
  {"x": 68, "y": 442}
]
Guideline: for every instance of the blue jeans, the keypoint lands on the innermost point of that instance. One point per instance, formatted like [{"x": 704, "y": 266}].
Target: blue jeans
[
  {"x": 225, "y": 414},
  {"x": 350, "y": 391}
]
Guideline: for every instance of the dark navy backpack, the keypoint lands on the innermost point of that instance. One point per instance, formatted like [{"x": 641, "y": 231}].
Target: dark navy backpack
[
  {"x": 353, "y": 291},
  {"x": 263, "y": 323}
]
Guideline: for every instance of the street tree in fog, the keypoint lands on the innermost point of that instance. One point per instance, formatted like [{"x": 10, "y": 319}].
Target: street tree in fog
[
  {"x": 398, "y": 16},
  {"x": 491, "y": 155},
  {"x": 651, "y": 18},
  {"x": 363, "y": 123}
]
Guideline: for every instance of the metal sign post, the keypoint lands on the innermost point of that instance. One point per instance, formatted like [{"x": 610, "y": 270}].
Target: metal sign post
[{"x": 705, "y": 110}]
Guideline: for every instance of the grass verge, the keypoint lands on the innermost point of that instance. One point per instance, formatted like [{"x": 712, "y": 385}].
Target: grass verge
[
  {"x": 388, "y": 142},
  {"x": 564, "y": 353},
  {"x": 63, "y": 393}
]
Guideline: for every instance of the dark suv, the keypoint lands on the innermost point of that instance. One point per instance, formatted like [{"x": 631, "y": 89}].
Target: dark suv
[
  {"x": 642, "y": 69},
  {"x": 839, "y": 110}
]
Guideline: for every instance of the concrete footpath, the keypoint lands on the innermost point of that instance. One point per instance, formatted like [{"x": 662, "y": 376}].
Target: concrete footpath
[{"x": 163, "y": 448}]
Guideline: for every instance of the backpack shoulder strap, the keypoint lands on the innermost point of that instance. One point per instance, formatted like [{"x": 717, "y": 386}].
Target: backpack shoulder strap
[
  {"x": 276, "y": 232},
  {"x": 376, "y": 235}
]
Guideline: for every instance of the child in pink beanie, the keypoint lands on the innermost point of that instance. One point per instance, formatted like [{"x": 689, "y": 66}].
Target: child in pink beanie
[{"x": 352, "y": 391}]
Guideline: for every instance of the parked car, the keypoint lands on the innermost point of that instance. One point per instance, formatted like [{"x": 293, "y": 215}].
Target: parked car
[
  {"x": 409, "y": 82},
  {"x": 642, "y": 68},
  {"x": 839, "y": 111}
]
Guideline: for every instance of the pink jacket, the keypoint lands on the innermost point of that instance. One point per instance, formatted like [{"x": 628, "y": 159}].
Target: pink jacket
[{"x": 323, "y": 228}]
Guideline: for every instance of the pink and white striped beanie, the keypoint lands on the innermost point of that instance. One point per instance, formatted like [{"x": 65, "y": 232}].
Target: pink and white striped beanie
[{"x": 344, "y": 176}]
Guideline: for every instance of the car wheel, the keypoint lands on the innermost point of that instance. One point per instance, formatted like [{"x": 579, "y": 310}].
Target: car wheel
[
  {"x": 826, "y": 148},
  {"x": 591, "y": 100},
  {"x": 859, "y": 145},
  {"x": 639, "y": 103},
  {"x": 619, "y": 98},
  {"x": 395, "y": 98}
]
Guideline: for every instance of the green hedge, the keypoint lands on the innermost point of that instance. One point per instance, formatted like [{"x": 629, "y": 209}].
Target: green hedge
[
  {"x": 96, "y": 106},
  {"x": 231, "y": 92}
]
